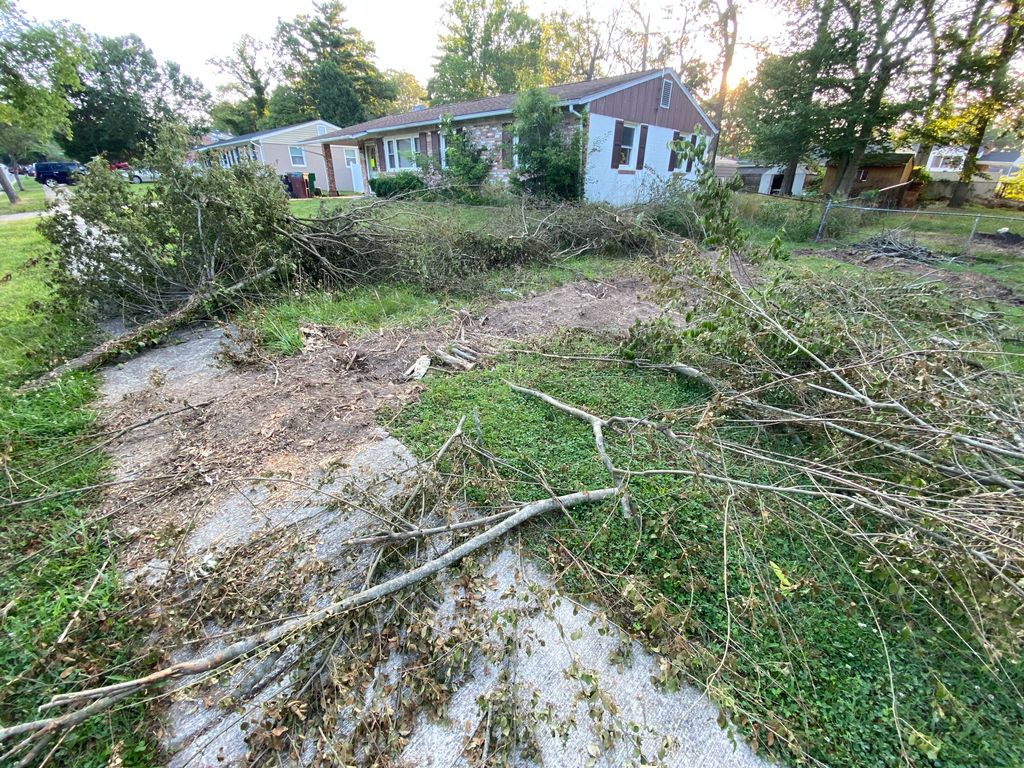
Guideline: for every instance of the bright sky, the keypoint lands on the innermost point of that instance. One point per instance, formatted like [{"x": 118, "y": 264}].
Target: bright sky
[{"x": 405, "y": 33}]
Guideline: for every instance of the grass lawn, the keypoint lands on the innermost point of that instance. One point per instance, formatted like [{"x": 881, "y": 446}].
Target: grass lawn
[
  {"x": 370, "y": 308},
  {"x": 797, "y": 223},
  {"x": 407, "y": 213},
  {"x": 32, "y": 199},
  {"x": 809, "y": 664},
  {"x": 49, "y": 551},
  {"x": 29, "y": 339}
]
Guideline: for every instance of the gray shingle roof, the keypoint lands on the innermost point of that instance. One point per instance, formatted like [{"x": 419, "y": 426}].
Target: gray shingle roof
[
  {"x": 569, "y": 92},
  {"x": 1000, "y": 156},
  {"x": 255, "y": 135}
]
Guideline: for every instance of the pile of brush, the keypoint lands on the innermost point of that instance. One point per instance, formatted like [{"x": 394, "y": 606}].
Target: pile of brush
[{"x": 895, "y": 244}]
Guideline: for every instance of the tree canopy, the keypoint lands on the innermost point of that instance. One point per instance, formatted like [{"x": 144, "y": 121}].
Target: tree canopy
[
  {"x": 125, "y": 96},
  {"x": 308, "y": 41}
]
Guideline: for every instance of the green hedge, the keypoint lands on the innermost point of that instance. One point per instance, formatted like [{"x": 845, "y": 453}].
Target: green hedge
[{"x": 401, "y": 183}]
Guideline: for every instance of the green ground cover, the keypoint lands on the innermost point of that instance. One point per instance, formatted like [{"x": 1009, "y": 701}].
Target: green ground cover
[
  {"x": 807, "y": 671},
  {"x": 373, "y": 307},
  {"x": 32, "y": 198},
  {"x": 50, "y": 551}
]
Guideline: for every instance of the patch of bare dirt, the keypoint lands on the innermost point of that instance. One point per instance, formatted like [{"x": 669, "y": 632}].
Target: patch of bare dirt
[
  {"x": 311, "y": 409},
  {"x": 256, "y": 472},
  {"x": 964, "y": 282}
]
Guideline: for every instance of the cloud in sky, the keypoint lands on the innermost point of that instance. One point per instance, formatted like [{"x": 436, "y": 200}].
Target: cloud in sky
[{"x": 405, "y": 33}]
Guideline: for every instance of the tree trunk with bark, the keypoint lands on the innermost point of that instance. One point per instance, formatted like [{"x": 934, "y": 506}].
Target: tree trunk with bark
[
  {"x": 789, "y": 176},
  {"x": 727, "y": 33},
  {"x": 848, "y": 174},
  {"x": 8, "y": 189},
  {"x": 999, "y": 85}
]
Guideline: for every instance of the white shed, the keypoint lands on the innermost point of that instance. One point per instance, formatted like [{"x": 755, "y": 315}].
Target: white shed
[{"x": 767, "y": 180}]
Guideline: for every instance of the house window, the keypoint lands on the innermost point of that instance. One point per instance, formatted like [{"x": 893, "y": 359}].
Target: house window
[
  {"x": 626, "y": 147},
  {"x": 297, "y": 155},
  {"x": 402, "y": 153},
  {"x": 953, "y": 162},
  {"x": 862, "y": 174},
  {"x": 321, "y": 129},
  {"x": 509, "y": 147},
  {"x": 666, "y": 94},
  {"x": 444, "y": 152}
]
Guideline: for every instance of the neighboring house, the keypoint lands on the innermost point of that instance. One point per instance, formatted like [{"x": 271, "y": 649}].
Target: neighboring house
[
  {"x": 283, "y": 149},
  {"x": 767, "y": 179},
  {"x": 628, "y": 122},
  {"x": 876, "y": 171},
  {"x": 945, "y": 163}
]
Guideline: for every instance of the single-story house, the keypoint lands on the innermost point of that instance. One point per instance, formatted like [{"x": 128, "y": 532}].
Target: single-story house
[
  {"x": 628, "y": 123},
  {"x": 876, "y": 171},
  {"x": 945, "y": 163},
  {"x": 284, "y": 149},
  {"x": 767, "y": 179}
]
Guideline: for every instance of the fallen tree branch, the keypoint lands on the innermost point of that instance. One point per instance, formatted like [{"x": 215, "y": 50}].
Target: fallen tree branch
[
  {"x": 131, "y": 340},
  {"x": 597, "y": 425},
  {"x": 105, "y": 696}
]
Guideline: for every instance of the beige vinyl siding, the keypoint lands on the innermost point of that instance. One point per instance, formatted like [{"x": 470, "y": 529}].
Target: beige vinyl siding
[
  {"x": 277, "y": 157},
  {"x": 298, "y": 134}
]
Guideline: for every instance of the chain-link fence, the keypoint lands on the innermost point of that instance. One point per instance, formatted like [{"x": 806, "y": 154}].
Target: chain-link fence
[
  {"x": 953, "y": 227},
  {"x": 810, "y": 220}
]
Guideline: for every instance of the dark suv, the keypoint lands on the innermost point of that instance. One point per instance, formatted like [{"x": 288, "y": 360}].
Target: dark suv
[{"x": 58, "y": 173}]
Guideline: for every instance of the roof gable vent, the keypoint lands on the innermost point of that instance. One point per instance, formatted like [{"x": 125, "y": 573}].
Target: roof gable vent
[{"x": 666, "y": 94}]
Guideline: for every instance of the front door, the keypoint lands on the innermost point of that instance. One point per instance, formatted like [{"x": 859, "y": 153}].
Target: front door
[
  {"x": 352, "y": 163},
  {"x": 371, "y": 160}
]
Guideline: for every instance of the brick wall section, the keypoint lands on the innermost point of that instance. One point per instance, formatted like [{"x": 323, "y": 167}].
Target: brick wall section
[{"x": 486, "y": 133}]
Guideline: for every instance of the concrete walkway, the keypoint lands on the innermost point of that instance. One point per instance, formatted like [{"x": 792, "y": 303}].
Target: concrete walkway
[{"x": 48, "y": 193}]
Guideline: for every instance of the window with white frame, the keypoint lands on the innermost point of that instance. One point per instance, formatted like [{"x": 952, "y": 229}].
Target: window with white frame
[
  {"x": 297, "y": 155},
  {"x": 666, "y": 94},
  {"x": 321, "y": 129},
  {"x": 626, "y": 145},
  {"x": 948, "y": 161},
  {"x": 444, "y": 152},
  {"x": 402, "y": 152}
]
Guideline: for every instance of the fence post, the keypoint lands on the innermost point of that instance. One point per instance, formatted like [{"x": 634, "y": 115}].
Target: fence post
[
  {"x": 974, "y": 229},
  {"x": 824, "y": 215}
]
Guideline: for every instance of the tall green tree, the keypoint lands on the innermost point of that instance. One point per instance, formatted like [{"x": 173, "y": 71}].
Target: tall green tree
[
  {"x": 336, "y": 97},
  {"x": 250, "y": 75},
  {"x": 725, "y": 28},
  {"x": 780, "y": 114},
  {"x": 566, "y": 53},
  {"x": 488, "y": 47},
  {"x": 408, "y": 92},
  {"x": 236, "y": 117},
  {"x": 39, "y": 66},
  {"x": 287, "y": 106},
  {"x": 990, "y": 91},
  {"x": 307, "y": 41},
  {"x": 875, "y": 47},
  {"x": 125, "y": 97}
]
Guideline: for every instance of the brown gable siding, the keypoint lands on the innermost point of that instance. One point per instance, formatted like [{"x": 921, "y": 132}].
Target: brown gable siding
[{"x": 641, "y": 104}]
